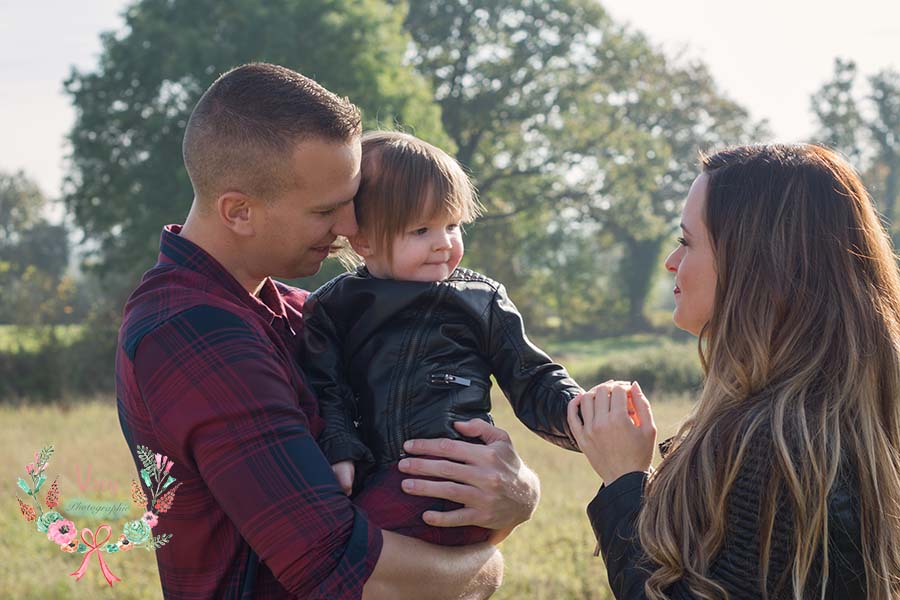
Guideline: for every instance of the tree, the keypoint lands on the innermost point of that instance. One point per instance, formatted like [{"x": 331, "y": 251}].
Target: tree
[
  {"x": 21, "y": 202},
  {"x": 126, "y": 178},
  {"x": 553, "y": 105},
  {"x": 34, "y": 255},
  {"x": 864, "y": 128},
  {"x": 640, "y": 127}
]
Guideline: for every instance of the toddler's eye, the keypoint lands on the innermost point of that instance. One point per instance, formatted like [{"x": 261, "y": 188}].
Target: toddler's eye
[
  {"x": 453, "y": 227},
  {"x": 420, "y": 231}
]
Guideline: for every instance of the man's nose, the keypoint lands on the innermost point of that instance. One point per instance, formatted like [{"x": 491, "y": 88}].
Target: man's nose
[{"x": 345, "y": 224}]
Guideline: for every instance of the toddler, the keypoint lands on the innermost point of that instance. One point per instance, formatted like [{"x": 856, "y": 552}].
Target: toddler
[{"x": 405, "y": 345}]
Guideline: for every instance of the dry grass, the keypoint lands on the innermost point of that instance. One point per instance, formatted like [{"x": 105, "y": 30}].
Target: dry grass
[{"x": 549, "y": 557}]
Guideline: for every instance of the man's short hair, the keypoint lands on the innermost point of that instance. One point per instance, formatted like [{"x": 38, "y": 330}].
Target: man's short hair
[{"x": 246, "y": 125}]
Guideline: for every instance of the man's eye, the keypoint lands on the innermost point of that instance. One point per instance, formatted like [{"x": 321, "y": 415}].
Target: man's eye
[{"x": 325, "y": 213}]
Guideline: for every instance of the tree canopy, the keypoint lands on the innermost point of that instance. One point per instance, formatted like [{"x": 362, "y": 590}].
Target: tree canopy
[
  {"x": 865, "y": 126},
  {"x": 126, "y": 178},
  {"x": 561, "y": 113}
]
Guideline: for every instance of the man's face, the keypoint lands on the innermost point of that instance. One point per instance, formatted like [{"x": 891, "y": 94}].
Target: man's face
[{"x": 299, "y": 226}]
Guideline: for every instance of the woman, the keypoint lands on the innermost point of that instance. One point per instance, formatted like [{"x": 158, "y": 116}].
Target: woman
[{"x": 784, "y": 481}]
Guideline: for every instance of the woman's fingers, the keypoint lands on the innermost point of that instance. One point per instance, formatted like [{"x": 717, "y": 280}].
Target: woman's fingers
[
  {"x": 587, "y": 407},
  {"x": 573, "y": 415},
  {"x": 618, "y": 404},
  {"x": 600, "y": 413},
  {"x": 642, "y": 407}
]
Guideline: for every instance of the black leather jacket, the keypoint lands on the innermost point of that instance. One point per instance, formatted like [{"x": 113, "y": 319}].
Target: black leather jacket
[
  {"x": 395, "y": 360},
  {"x": 614, "y": 513}
]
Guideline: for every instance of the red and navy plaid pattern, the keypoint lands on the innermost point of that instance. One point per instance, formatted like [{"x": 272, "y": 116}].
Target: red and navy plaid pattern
[
  {"x": 205, "y": 375},
  {"x": 389, "y": 507}
]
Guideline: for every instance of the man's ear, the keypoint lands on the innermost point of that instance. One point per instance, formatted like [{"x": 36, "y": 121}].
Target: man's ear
[
  {"x": 360, "y": 244},
  {"x": 237, "y": 211}
]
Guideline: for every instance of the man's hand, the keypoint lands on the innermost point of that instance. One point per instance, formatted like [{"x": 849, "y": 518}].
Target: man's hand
[
  {"x": 496, "y": 488},
  {"x": 344, "y": 471}
]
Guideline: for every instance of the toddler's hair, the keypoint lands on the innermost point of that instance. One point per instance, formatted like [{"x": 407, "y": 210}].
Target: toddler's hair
[{"x": 406, "y": 180}]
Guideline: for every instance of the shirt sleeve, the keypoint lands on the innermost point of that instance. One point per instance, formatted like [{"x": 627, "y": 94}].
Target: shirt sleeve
[
  {"x": 221, "y": 399},
  {"x": 614, "y": 512},
  {"x": 538, "y": 389}
]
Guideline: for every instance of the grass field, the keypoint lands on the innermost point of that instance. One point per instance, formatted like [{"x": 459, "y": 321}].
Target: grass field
[{"x": 550, "y": 557}]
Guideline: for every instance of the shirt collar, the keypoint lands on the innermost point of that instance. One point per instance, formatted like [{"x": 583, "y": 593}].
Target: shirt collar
[{"x": 174, "y": 249}]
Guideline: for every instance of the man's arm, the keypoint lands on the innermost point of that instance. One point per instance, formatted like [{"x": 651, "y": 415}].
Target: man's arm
[
  {"x": 411, "y": 568},
  {"x": 221, "y": 404}
]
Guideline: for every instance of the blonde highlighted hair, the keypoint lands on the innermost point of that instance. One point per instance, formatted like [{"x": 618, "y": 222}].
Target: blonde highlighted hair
[
  {"x": 406, "y": 181},
  {"x": 802, "y": 363}
]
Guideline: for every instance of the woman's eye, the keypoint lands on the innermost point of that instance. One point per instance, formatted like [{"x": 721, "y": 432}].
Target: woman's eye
[{"x": 682, "y": 241}]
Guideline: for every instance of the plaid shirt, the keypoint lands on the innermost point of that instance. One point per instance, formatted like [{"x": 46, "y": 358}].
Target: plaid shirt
[{"x": 205, "y": 374}]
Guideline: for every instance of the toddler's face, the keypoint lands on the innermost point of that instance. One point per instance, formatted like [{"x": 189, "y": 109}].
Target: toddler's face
[{"x": 427, "y": 251}]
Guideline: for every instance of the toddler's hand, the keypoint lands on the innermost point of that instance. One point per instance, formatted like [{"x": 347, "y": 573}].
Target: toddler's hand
[{"x": 344, "y": 472}]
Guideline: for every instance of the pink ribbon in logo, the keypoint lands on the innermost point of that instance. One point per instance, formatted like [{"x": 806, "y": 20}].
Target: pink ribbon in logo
[{"x": 94, "y": 546}]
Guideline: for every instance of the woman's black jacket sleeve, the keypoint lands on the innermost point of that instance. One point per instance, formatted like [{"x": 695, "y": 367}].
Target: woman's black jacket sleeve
[{"x": 614, "y": 511}]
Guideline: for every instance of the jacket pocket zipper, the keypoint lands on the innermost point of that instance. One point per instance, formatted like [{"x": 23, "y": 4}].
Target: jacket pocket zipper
[{"x": 449, "y": 379}]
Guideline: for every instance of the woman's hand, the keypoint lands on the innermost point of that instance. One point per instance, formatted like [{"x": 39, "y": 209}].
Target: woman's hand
[{"x": 616, "y": 433}]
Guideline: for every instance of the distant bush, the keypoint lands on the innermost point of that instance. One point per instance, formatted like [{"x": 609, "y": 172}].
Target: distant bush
[
  {"x": 50, "y": 366},
  {"x": 665, "y": 367}
]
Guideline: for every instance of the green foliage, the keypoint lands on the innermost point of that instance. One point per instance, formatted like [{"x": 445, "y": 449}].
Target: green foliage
[
  {"x": 53, "y": 363},
  {"x": 34, "y": 255},
  {"x": 665, "y": 367},
  {"x": 127, "y": 180},
  {"x": 865, "y": 128},
  {"x": 21, "y": 202},
  {"x": 573, "y": 127}
]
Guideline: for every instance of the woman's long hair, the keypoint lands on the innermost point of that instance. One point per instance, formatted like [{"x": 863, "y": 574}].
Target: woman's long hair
[{"x": 802, "y": 363}]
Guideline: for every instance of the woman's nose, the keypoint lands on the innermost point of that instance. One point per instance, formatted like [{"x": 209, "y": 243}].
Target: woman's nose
[{"x": 673, "y": 260}]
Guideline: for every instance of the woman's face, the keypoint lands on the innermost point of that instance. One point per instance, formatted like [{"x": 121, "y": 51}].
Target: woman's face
[{"x": 692, "y": 263}]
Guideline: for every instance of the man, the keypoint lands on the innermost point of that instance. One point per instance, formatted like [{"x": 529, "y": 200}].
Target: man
[{"x": 206, "y": 373}]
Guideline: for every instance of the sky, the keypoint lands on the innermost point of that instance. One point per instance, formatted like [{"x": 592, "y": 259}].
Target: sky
[{"x": 769, "y": 55}]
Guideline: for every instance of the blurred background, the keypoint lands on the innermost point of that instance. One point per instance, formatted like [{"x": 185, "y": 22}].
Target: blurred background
[{"x": 579, "y": 121}]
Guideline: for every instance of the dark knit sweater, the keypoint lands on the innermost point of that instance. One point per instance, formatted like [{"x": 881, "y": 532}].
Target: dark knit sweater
[{"x": 613, "y": 514}]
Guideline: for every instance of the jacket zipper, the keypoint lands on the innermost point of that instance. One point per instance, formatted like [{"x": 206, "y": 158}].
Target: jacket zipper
[
  {"x": 402, "y": 386},
  {"x": 449, "y": 379}
]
